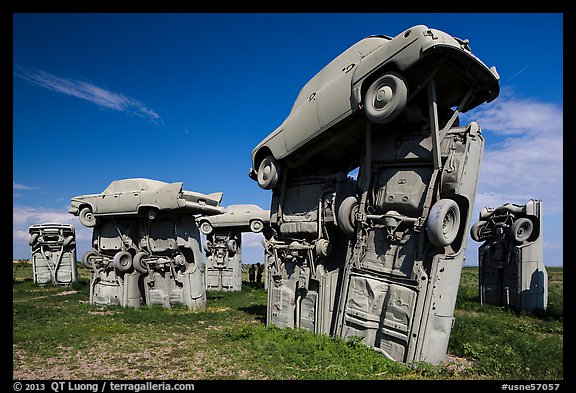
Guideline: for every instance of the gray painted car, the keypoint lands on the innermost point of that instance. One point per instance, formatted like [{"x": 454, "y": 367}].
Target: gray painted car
[
  {"x": 142, "y": 197},
  {"x": 381, "y": 79},
  {"x": 223, "y": 269},
  {"x": 511, "y": 267},
  {"x": 242, "y": 217},
  {"x": 379, "y": 257},
  {"x": 53, "y": 253}
]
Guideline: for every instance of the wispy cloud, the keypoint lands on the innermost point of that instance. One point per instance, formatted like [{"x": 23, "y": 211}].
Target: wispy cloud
[
  {"x": 16, "y": 186},
  {"x": 87, "y": 91}
]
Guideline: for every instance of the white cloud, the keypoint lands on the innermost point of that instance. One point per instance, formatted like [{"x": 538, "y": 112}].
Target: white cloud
[
  {"x": 522, "y": 160},
  {"x": 87, "y": 91},
  {"x": 16, "y": 186},
  {"x": 527, "y": 162},
  {"x": 252, "y": 240}
]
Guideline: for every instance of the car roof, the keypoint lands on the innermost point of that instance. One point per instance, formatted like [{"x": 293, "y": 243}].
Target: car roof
[
  {"x": 134, "y": 184},
  {"x": 234, "y": 208}
]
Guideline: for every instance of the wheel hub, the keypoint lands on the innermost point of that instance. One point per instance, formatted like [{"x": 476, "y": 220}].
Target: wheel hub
[{"x": 383, "y": 97}]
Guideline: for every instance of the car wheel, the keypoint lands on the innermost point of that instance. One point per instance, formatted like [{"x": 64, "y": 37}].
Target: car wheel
[
  {"x": 346, "y": 215},
  {"x": 443, "y": 222},
  {"x": 521, "y": 229},
  {"x": 206, "y": 228},
  {"x": 122, "y": 261},
  {"x": 232, "y": 246},
  {"x": 152, "y": 213},
  {"x": 476, "y": 229},
  {"x": 207, "y": 245},
  {"x": 268, "y": 173},
  {"x": 139, "y": 264},
  {"x": 87, "y": 218},
  {"x": 33, "y": 239},
  {"x": 88, "y": 259},
  {"x": 256, "y": 226},
  {"x": 323, "y": 248},
  {"x": 385, "y": 98},
  {"x": 69, "y": 240}
]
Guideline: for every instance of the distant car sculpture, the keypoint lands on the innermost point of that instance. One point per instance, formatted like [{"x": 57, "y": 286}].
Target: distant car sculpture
[
  {"x": 510, "y": 259},
  {"x": 378, "y": 256},
  {"x": 223, "y": 269},
  {"x": 142, "y": 197},
  {"x": 146, "y": 258},
  {"x": 244, "y": 217},
  {"x": 53, "y": 253},
  {"x": 223, "y": 245}
]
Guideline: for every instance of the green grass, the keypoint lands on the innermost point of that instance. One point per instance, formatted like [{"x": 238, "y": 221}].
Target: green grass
[{"x": 57, "y": 334}]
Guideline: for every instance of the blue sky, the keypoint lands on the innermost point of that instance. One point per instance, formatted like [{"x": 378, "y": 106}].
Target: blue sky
[{"x": 186, "y": 97}]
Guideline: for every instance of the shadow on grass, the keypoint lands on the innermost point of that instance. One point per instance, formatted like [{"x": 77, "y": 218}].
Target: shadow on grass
[{"x": 258, "y": 310}]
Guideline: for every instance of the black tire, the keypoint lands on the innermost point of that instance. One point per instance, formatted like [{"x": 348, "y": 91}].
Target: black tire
[
  {"x": 443, "y": 222},
  {"x": 33, "y": 239},
  {"x": 386, "y": 98},
  {"x": 256, "y": 226},
  {"x": 122, "y": 261},
  {"x": 346, "y": 215},
  {"x": 476, "y": 229},
  {"x": 268, "y": 173},
  {"x": 152, "y": 213},
  {"x": 206, "y": 228},
  {"x": 88, "y": 259},
  {"x": 87, "y": 218},
  {"x": 139, "y": 264},
  {"x": 521, "y": 229}
]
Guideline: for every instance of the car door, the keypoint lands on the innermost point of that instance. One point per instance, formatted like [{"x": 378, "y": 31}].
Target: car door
[
  {"x": 302, "y": 123},
  {"x": 334, "y": 99}
]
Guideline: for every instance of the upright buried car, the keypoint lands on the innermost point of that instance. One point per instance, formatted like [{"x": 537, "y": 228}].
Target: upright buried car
[
  {"x": 145, "y": 243},
  {"x": 223, "y": 245},
  {"x": 53, "y": 253},
  {"x": 142, "y": 197},
  {"x": 389, "y": 107},
  {"x": 511, "y": 268},
  {"x": 381, "y": 79}
]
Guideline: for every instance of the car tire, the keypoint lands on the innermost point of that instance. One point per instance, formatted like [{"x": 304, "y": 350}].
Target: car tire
[
  {"x": 323, "y": 248},
  {"x": 256, "y": 226},
  {"x": 122, "y": 261},
  {"x": 232, "y": 246},
  {"x": 87, "y": 218},
  {"x": 386, "y": 98},
  {"x": 346, "y": 212},
  {"x": 152, "y": 213},
  {"x": 521, "y": 229},
  {"x": 443, "y": 222},
  {"x": 33, "y": 239},
  {"x": 138, "y": 263},
  {"x": 268, "y": 173},
  {"x": 476, "y": 229},
  {"x": 69, "y": 240},
  {"x": 207, "y": 245},
  {"x": 206, "y": 228},
  {"x": 88, "y": 259}
]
